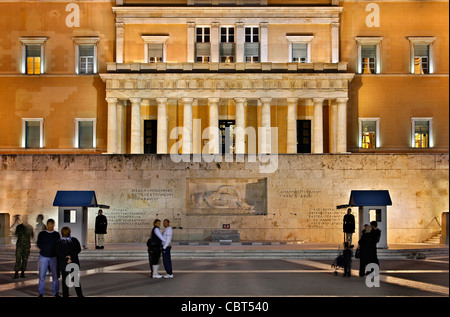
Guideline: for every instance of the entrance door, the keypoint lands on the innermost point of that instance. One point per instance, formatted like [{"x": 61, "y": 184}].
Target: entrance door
[
  {"x": 303, "y": 136},
  {"x": 227, "y": 136},
  {"x": 150, "y": 129}
]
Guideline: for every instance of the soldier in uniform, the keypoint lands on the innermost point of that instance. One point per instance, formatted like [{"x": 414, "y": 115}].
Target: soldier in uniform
[{"x": 24, "y": 233}]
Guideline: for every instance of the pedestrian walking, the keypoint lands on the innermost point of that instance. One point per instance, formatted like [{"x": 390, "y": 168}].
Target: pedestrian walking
[
  {"x": 67, "y": 250},
  {"x": 349, "y": 226},
  {"x": 46, "y": 242},
  {"x": 368, "y": 250},
  {"x": 167, "y": 248},
  {"x": 24, "y": 234},
  {"x": 154, "y": 244},
  {"x": 101, "y": 224}
]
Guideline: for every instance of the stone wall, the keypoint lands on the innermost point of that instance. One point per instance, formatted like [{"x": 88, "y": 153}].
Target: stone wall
[{"x": 295, "y": 202}]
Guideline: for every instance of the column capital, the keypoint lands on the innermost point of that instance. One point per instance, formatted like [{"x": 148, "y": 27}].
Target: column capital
[
  {"x": 240, "y": 100},
  {"x": 213, "y": 101},
  {"x": 341, "y": 100},
  {"x": 265, "y": 100},
  {"x": 161, "y": 100},
  {"x": 335, "y": 24},
  {"x": 318, "y": 100},
  {"x": 111, "y": 99},
  {"x": 264, "y": 24},
  {"x": 187, "y": 101},
  {"x": 215, "y": 24},
  {"x": 135, "y": 100},
  {"x": 292, "y": 100},
  {"x": 191, "y": 24}
]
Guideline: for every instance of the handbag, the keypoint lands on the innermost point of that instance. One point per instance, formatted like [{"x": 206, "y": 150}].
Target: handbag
[{"x": 357, "y": 253}]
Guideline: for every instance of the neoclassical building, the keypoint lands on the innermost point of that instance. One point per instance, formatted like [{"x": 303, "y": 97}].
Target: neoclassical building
[{"x": 177, "y": 76}]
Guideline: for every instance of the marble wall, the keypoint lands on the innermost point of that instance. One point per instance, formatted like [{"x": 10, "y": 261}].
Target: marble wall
[{"x": 295, "y": 202}]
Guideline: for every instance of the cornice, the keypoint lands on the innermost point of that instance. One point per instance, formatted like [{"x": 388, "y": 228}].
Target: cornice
[{"x": 192, "y": 14}]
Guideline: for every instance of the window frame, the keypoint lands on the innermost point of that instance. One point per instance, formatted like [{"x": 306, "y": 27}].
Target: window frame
[
  {"x": 41, "y": 132},
  {"x": 430, "y": 132},
  {"x": 155, "y": 39},
  {"x": 33, "y": 41},
  {"x": 300, "y": 39},
  {"x": 369, "y": 40},
  {"x": 422, "y": 40},
  {"x": 377, "y": 131},
  {"x": 77, "y": 132},
  {"x": 85, "y": 40}
]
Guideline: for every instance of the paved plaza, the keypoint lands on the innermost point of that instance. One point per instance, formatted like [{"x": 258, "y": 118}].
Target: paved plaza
[{"x": 238, "y": 276}]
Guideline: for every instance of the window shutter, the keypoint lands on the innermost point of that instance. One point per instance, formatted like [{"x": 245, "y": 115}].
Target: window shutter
[
  {"x": 203, "y": 49},
  {"x": 251, "y": 49},
  {"x": 155, "y": 50},
  {"x": 227, "y": 49},
  {"x": 421, "y": 50},
  {"x": 32, "y": 131},
  {"x": 86, "y": 50},
  {"x": 33, "y": 50},
  {"x": 85, "y": 134},
  {"x": 369, "y": 51},
  {"x": 300, "y": 51}
]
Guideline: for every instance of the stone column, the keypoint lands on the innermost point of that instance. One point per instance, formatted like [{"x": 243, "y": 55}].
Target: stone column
[
  {"x": 263, "y": 30},
  {"x": 214, "y": 126},
  {"x": 190, "y": 42},
  {"x": 265, "y": 139},
  {"x": 136, "y": 137},
  {"x": 333, "y": 127},
  {"x": 240, "y": 125},
  {"x": 341, "y": 139},
  {"x": 317, "y": 142},
  {"x": 120, "y": 127},
  {"x": 240, "y": 40},
  {"x": 187, "y": 126},
  {"x": 119, "y": 42},
  {"x": 161, "y": 142},
  {"x": 335, "y": 42},
  {"x": 215, "y": 40},
  {"x": 292, "y": 125},
  {"x": 112, "y": 125}
]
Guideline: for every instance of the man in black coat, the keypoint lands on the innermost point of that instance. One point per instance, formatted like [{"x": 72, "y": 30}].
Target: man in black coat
[
  {"x": 101, "y": 225},
  {"x": 349, "y": 226}
]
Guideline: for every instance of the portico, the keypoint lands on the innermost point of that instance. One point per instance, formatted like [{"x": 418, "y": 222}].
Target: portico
[{"x": 266, "y": 90}]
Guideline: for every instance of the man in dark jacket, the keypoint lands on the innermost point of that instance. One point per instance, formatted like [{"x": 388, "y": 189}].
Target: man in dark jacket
[
  {"x": 101, "y": 224},
  {"x": 46, "y": 242},
  {"x": 349, "y": 226}
]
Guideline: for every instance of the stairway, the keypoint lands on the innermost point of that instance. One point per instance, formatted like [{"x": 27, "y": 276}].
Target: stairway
[{"x": 434, "y": 239}]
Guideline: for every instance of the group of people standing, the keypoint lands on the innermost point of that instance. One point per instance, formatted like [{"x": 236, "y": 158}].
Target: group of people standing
[
  {"x": 160, "y": 243},
  {"x": 56, "y": 251},
  {"x": 367, "y": 244}
]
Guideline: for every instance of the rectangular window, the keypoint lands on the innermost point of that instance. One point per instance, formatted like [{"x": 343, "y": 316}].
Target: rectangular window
[
  {"x": 303, "y": 136},
  {"x": 227, "y": 46},
  {"x": 203, "y": 45},
  {"x": 369, "y": 54},
  {"x": 300, "y": 52},
  {"x": 203, "y": 35},
  {"x": 32, "y": 133},
  {"x": 422, "y": 54},
  {"x": 422, "y": 132},
  {"x": 155, "y": 52},
  {"x": 369, "y": 133},
  {"x": 33, "y": 58},
  {"x": 421, "y": 58},
  {"x": 86, "y": 55},
  {"x": 368, "y": 59},
  {"x": 85, "y": 133},
  {"x": 251, "y": 45}
]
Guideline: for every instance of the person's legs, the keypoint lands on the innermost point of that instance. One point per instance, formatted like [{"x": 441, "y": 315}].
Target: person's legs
[
  {"x": 55, "y": 282},
  {"x": 43, "y": 265},
  {"x": 167, "y": 261}
]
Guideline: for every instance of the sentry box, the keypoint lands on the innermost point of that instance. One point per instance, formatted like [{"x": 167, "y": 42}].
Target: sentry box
[
  {"x": 372, "y": 206},
  {"x": 73, "y": 212}
]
